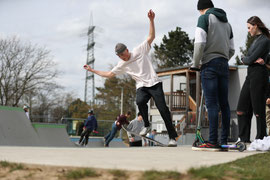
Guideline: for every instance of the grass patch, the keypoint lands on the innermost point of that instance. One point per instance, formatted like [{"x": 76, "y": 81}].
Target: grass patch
[
  {"x": 119, "y": 174},
  {"x": 5, "y": 164},
  {"x": 12, "y": 166},
  {"x": 252, "y": 167},
  {"x": 160, "y": 175},
  {"x": 81, "y": 173}
]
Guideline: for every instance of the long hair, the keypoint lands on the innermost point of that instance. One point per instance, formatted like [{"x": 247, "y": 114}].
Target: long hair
[{"x": 255, "y": 20}]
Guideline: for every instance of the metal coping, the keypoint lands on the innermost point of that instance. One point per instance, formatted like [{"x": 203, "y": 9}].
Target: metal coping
[{"x": 11, "y": 108}]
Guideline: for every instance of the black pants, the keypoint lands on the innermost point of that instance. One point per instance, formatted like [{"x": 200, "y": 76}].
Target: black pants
[
  {"x": 143, "y": 95},
  {"x": 85, "y": 134},
  {"x": 135, "y": 144},
  {"x": 252, "y": 100}
]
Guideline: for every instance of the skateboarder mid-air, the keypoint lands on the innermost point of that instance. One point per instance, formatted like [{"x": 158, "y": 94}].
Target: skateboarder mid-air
[{"x": 137, "y": 63}]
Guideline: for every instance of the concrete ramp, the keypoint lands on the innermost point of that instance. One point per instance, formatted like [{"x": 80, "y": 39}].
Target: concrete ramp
[
  {"x": 16, "y": 128},
  {"x": 53, "y": 135}
]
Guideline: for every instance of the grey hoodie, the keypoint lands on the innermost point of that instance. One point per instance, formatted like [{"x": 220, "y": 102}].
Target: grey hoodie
[
  {"x": 213, "y": 37},
  {"x": 135, "y": 126}
]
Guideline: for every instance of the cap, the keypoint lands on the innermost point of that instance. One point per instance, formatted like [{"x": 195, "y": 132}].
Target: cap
[
  {"x": 204, "y": 4},
  {"x": 119, "y": 48},
  {"x": 91, "y": 111}
]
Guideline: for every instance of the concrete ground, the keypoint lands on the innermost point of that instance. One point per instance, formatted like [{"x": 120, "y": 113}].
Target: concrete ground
[{"x": 179, "y": 158}]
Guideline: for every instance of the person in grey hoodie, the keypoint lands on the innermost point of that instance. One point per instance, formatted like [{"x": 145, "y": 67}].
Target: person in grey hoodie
[
  {"x": 136, "y": 125},
  {"x": 213, "y": 47}
]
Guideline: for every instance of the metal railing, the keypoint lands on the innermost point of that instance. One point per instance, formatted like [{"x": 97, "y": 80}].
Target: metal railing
[{"x": 178, "y": 101}]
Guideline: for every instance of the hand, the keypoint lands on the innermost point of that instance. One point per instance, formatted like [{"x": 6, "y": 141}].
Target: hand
[
  {"x": 87, "y": 67},
  {"x": 151, "y": 14},
  {"x": 260, "y": 61},
  {"x": 132, "y": 139},
  {"x": 268, "y": 101},
  {"x": 117, "y": 123}
]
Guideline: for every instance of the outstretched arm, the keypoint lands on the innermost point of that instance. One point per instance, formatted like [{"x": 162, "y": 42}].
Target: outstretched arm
[
  {"x": 107, "y": 74},
  {"x": 151, "y": 37}
]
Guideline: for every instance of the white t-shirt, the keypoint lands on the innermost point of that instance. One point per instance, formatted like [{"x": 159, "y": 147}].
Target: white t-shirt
[{"x": 139, "y": 66}]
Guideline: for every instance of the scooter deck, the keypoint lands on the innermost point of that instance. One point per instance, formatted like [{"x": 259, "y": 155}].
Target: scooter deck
[
  {"x": 238, "y": 147},
  {"x": 149, "y": 139},
  {"x": 206, "y": 149}
]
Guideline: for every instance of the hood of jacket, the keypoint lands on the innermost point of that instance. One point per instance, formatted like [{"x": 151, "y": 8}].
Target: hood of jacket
[{"x": 219, "y": 13}]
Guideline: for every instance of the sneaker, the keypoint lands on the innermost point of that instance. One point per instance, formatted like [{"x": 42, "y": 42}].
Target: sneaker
[
  {"x": 145, "y": 130},
  {"x": 172, "y": 143},
  {"x": 210, "y": 146},
  {"x": 239, "y": 140},
  {"x": 105, "y": 145}
]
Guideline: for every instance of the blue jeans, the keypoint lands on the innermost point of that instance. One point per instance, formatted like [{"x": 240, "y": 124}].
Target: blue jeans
[
  {"x": 109, "y": 137},
  {"x": 215, "y": 79}
]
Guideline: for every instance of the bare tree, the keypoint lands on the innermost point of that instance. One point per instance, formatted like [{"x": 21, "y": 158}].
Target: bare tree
[
  {"x": 50, "y": 104},
  {"x": 24, "y": 69}
]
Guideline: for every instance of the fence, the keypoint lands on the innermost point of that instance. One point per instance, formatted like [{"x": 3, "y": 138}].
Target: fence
[{"x": 75, "y": 126}]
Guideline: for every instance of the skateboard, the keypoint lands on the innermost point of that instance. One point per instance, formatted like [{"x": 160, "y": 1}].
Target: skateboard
[{"x": 152, "y": 140}]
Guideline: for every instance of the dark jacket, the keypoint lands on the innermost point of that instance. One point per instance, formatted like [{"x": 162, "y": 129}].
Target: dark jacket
[
  {"x": 122, "y": 119},
  {"x": 91, "y": 123},
  {"x": 258, "y": 49}
]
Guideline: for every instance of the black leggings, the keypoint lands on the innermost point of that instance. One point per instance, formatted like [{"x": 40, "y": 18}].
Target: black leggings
[{"x": 252, "y": 100}]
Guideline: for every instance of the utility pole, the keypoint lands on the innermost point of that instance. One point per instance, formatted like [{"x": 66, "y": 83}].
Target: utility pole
[
  {"x": 122, "y": 107},
  {"x": 89, "y": 90}
]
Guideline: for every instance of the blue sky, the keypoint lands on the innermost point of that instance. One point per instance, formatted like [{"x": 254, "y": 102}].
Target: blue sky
[{"x": 61, "y": 26}]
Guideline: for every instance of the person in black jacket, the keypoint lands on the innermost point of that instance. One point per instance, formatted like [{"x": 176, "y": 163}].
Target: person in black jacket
[
  {"x": 90, "y": 125},
  {"x": 252, "y": 99}
]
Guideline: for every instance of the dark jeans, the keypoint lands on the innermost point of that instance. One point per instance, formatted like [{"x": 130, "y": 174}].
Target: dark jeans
[
  {"x": 135, "y": 144},
  {"x": 215, "y": 78},
  {"x": 109, "y": 137},
  {"x": 143, "y": 95},
  {"x": 252, "y": 99},
  {"x": 85, "y": 134}
]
